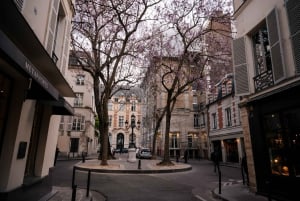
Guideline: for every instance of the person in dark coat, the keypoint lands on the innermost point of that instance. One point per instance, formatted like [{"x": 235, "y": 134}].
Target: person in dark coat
[
  {"x": 215, "y": 159},
  {"x": 186, "y": 155}
]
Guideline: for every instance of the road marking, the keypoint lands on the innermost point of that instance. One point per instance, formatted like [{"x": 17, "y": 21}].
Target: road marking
[{"x": 200, "y": 198}]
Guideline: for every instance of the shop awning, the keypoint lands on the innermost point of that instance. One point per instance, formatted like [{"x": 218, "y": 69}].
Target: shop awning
[
  {"x": 14, "y": 25},
  {"x": 39, "y": 86},
  {"x": 60, "y": 107}
]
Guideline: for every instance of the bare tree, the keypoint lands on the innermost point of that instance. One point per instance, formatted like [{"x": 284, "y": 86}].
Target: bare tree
[
  {"x": 181, "y": 54},
  {"x": 107, "y": 43}
]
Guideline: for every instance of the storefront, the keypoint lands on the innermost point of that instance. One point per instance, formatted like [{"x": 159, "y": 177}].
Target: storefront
[
  {"x": 31, "y": 93},
  {"x": 275, "y": 133}
]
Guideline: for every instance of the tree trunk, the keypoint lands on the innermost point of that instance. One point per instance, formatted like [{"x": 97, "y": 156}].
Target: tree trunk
[{"x": 166, "y": 159}]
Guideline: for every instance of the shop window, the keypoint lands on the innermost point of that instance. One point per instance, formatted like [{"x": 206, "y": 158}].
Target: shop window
[{"x": 283, "y": 142}]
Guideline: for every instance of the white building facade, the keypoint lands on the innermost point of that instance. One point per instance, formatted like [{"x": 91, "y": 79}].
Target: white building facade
[
  {"x": 77, "y": 134},
  {"x": 266, "y": 58},
  {"x": 34, "y": 46}
]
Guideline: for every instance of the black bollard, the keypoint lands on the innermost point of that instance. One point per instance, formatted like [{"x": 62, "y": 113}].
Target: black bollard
[
  {"x": 177, "y": 158},
  {"x": 88, "y": 184},
  {"x": 83, "y": 157},
  {"x": 74, "y": 192},
  {"x": 139, "y": 165},
  {"x": 219, "y": 181}
]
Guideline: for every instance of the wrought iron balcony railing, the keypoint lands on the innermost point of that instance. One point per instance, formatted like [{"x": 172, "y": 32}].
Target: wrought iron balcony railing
[{"x": 263, "y": 80}]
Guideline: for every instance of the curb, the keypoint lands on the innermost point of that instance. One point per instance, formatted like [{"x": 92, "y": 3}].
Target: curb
[{"x": 134, "y": 171}]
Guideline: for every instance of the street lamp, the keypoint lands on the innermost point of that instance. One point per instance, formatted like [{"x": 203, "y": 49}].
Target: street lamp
[{"x": 132, "y": 125}]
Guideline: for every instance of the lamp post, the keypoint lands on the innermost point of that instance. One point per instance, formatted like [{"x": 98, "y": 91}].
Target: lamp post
[
  {"x": 132, "y": 145},
  {"x": 131, "y": 150}
]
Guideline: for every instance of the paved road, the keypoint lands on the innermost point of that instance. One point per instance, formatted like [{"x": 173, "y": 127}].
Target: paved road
[{"x": 192, "y": 185}]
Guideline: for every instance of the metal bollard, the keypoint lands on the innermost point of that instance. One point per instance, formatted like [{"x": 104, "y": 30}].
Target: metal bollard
[
  {"x": 74, "y": 192},
  {"x": 219, "y": 181},
  {"x": 83, "y": 157},
  {"x": 88, "y": 184},
  {"x": 139, "y": 165}
]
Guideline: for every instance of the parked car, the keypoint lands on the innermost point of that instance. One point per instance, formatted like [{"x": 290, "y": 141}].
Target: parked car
[{"x": 144, "y": 153}]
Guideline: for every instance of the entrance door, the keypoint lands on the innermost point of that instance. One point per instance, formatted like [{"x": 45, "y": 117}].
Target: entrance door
[
  {"x": 74, "y": 145},
  {"x": 120, "y": 141},
  {"x": 34, "y": 140}
]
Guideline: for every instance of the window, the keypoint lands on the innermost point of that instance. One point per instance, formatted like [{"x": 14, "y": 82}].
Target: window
[
  {"x": 78, "y": 101},
  {"x": 174, "y": 141},
  {"x": 214, "y": 121},
  {"x": 196, "y": 121},
  {"x": 228, "y": 117},
  {"x": 202, "y": 119},
  {"x": 61, "y": 124},
  {"x": 110, "y": 107},
  {"x": 133, "y": 106},
  {"x": 109, "y": 120},
  {"x": 116, "y": 99},
  {"x": 78, "y": 123},
  {"x": 80, "y": 79},
  {"x": 190, "y": 140},
  {"x": 121, "y": 106},
  {"x": 121, "y": 121},
  {"x": 262, "y": 50}
]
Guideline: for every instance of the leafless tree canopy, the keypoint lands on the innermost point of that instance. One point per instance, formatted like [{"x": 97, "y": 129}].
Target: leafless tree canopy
[{"x": 114, "y": 39}]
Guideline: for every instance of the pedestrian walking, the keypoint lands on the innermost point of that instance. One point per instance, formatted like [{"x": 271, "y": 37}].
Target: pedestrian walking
[
  {"x": 215, "y": 158},
  {"x": 186, "y": 155}
]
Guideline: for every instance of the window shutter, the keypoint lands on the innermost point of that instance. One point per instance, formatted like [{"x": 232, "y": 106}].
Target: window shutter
[
  {"x": 52, "y": 25},
  {"x": 240, "y": 67},
  {"x": 275, "y": 45},
  {"x": 65, "y": 56},
  {"x": 19, "y": 4},
  {"x": 293, "y": 12}
]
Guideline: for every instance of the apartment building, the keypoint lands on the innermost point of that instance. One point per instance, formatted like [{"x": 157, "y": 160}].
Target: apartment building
[
  {"x": 124, "y": 107},
  {"x": 185, "y": 124},
  {"x": 225, "y": 130},
  {"x": 77, "y": 134},
  {"x": 266, "y": 66},
  {"x": 34, "y": 47}
]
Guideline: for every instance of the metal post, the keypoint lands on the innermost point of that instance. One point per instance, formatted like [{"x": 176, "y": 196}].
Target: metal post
[
  {"x": 139, "y": 166},
  {"x": 83, "y": 157},
  {"x": 73, "y": 176},
  {"x": 73, "y": 192},
  {"x": 219, "y": 172},
  {"x": 88, "y": 184}
]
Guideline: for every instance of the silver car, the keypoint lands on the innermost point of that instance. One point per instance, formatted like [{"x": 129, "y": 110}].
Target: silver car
[{"x": 144, "y": 153}]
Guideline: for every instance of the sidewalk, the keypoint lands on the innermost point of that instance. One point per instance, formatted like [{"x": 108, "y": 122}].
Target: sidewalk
[{"x": 236, "y": 192}]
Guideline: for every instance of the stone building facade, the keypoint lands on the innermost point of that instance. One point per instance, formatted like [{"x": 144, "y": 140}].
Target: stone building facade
[{"x": 122, "y": 106}]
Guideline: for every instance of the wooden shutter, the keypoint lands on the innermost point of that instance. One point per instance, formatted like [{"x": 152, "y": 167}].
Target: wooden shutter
[
  {"x": 293, "y": 12},
  {"x": 52, "y": 25},
  {"x": 240, "y": 67},
  {"x": 275, "y": 44},
  {"x": 66, "y": 48}
]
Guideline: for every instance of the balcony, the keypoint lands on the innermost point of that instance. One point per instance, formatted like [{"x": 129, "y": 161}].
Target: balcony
[{"x": 263, "y": 80}]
